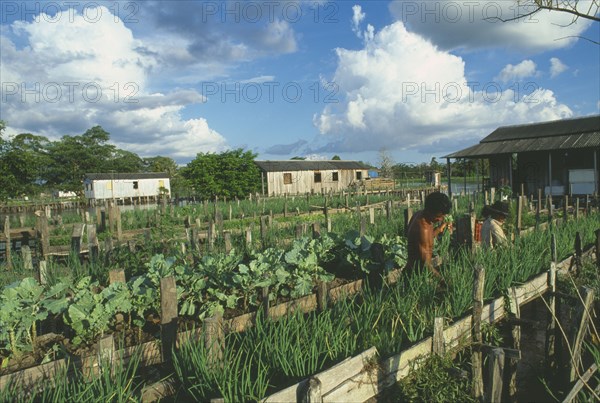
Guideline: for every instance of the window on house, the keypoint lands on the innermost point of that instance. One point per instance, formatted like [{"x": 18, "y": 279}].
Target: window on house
[
  {"x": 161, "y": 183},
  {"x": 358, "y": 175},
  {"x": 109, "y": 185},
  {"x": 135, "y": 184},
  {"x": 287, "y": 178},
  {"x": 335, "y": 177},
  {"x": 317, "y": 177}
]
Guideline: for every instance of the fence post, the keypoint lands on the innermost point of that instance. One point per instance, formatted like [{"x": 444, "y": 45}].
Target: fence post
[
  {"x": 496, "y": 368},
  {"x": 168, "y": 316},
  {"x": 438, "y": 336},
  {"x": 477, "y": 364},
  {"x": 264, "y": 297},
  {"x": 597, "y": 232},
  {"x": 26, "y": 254},
  {"x": 312, "y": 393},
  {"x": 42, "y": 228},
  {"x": 578, "y": 251},
  {"x": 515, "y": 313},
  {"x": 76, "y": 236},
  {"x": 551, "y": 349},
  {"x": 587, "y": 299},
  {"x": 321, "y": 295},
  {"x": 8, "y": 243},
  {"x": 214, "y": 339},
  {"x": 566, "y": 209}
]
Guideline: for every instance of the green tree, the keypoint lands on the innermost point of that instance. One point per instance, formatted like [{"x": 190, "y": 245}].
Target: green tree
[
  {"x": 336, "y": 158},
  {"x": 231, "y": 174},
  {"x": 74, "y": 156},
  {"x": 22, "y": 163}
]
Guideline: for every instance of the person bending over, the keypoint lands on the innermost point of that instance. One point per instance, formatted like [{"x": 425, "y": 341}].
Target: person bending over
[{"x": 422, "y": 231}]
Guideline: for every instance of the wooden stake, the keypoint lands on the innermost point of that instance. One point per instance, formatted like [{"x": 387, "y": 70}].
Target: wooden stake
[
  {"x": 313, "y": 391},
  {"x": 26, "y": 254},
  {"x": 214, "y": 339},
  {"x": 8, "y": 243},
  {"x": 551, "y": 363},
  {"x": 76, "y": 236},
  {"x": 587, "y": 297},
  {"x": 515, "y": 313},
  {"x": 476, "y": 361},
  {"x": 321, "y": 296},
  {"x": 264, "y": 296},
  {"x": 496, "y": 368},
  {"x": 438, "y": 336},
  {"x": 168, "y": 316}
]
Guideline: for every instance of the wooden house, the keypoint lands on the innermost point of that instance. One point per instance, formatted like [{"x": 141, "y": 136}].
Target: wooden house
[
  {"x": 300, "y": 176},
  {"x": 126, "y": 187},
  {"x": 559, "y": 157}
]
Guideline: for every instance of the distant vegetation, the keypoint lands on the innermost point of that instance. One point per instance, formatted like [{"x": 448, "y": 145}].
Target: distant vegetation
[{"x": 31, "y": 165}]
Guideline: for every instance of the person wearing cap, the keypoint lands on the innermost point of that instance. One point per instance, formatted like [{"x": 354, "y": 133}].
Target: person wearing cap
[
  {"x": 421, "y": 231},
  {"x": 492, "y": 234}
]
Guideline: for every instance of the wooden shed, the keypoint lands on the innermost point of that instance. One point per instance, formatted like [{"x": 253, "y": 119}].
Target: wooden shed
[
  {"x": 126, "y": 187},
  {"x": 560, "y": 157},
  {"x": 300, "y": 176}
]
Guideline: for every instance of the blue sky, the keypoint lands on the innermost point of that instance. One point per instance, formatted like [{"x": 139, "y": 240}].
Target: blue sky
[{"x": 416, "y": 79}]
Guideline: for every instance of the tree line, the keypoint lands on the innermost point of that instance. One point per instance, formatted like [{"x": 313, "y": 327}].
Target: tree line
[{"x": 31, "y": 165}]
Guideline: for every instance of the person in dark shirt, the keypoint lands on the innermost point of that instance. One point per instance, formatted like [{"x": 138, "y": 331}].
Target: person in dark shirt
[{"x": 422, "y": 231}]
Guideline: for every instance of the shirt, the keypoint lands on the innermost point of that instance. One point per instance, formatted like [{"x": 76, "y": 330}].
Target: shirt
[{"x": 492, "y": 233}]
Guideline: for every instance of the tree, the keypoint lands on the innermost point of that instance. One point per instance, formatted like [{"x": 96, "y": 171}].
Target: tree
[
  {"x": 231, "y": 174},
  {"x": 161, "y": 164},
  {"x": 336, "y": 158},
  {"x": 386, "y": 164},
  {"x": 74, "y": 156}
]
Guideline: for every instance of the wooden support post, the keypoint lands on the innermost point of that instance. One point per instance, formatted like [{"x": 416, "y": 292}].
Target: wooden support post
[
  {"x": 111, "y": 217},
  {"x": 363, "y": 226},
  {"x": 263, "y": 229},
  {"x": 519, "y": 215},
  {"x": 43, "y": 272},
  {"x": 371, "y": 216},
  {"x": 566, "y": 209},
  {"x": 26, "y": 255},
  {"x": 316, "y": 230},
  {"x": 93, "y": 245},
  {"x": 597, "y": 232},
  {"x": 106, "y": 354},
  {"x": 578, "y": 251},
  {"x": 116, "y": 276},
  {"x": 321, "y": 296},
  {"x": 576, "y": 208},
  {"x": 553, "y": 249},
  {"x": 264, "y": 298},
  {"x": 587, "y": 298},
  {"x": 328, "y": 224},
  {"x": 211, "y": 234},
  {"x": 465, "y": 231},
  {"x": 248, "y": 238},
  {"x": 538, "y": 209},
  {"x": 76, "y": 236},
  {"x": 388, "y": 210},
  {"x": 312, "y": 393},
  {"x": 496, "y": 371},
  {"x": 227, "y": 239},
  {"x": 214, "y": 339},
  {"x": 168, "y": 317},
  {"x": 438, "y": 336},
  {"x": 8, "y": 243},
  {"x": 476, "y": 360},
  {"x": 551, "y": 362},
  {"x": 119, "y": 227},
  {"x": 515, "y": 313},
  {"x": 550, "y": 207}
]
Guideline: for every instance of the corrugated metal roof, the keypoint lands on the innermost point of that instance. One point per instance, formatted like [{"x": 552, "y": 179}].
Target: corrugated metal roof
[
  {"x": 557, "y": 135},
  {"x": 125, "y": 176},
  {"x": 302, "y": 165}
]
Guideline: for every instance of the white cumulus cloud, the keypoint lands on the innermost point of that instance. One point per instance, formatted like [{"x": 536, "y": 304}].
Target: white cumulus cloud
[
  {"x": 401, "y": 92},
  {"x": 69, "y": 75},
  {"x": 526, "y": 68},
  {"x": 557, "y": 67}
]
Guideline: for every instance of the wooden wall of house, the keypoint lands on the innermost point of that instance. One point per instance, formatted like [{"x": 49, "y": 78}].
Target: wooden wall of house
[
  {"x": 304, "y": 181},
  {"x": 500, "y": 174}
]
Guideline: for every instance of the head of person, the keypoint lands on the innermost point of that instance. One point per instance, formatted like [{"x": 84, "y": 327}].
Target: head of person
[
  {"x": 437, "y": 205},
  {"x": 499, "y": 210}
]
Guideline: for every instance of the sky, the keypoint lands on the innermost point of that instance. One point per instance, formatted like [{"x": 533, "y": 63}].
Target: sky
[{"x": 413, "y": 80}]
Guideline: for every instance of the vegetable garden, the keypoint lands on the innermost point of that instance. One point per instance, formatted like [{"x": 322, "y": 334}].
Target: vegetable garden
[{"x": 240, "y": 308}]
